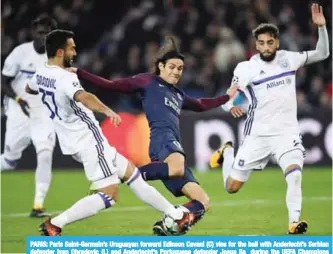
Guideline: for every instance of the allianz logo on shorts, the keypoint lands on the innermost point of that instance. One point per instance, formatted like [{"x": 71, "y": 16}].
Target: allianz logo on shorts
[{"x": 279, "y": 83}]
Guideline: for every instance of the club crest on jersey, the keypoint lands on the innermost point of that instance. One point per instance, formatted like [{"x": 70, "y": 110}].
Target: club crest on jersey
[
  {"x": 76, "y": 84},
  {"x": 235, "y": 80},
  {"x": 283, "y": 63}
]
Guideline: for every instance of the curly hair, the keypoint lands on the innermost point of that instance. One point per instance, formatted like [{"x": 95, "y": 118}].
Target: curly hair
[{"x": 266, "y": 28}]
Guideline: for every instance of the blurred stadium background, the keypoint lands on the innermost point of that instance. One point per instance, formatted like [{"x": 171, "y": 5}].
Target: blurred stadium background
[{"x": 120, "y": 38}]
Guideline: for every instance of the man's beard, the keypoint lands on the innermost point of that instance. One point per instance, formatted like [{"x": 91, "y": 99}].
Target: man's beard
[
  {"x": 67, "y": 63},
  {"x": 268, "y": 58}
]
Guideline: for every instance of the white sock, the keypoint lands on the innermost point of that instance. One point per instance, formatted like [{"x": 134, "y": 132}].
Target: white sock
[
  {"x": 84, "y": 208},
  {"x": 43, "y": 177},
  {"x": 151, "y": 196},
  {"x": 7, "y": 164},
  {"x": 228, "y": 160},
  {"x": 294, "y": 195}
]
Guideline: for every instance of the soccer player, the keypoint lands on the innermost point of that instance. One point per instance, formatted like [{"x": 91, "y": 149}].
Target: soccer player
[
  {"x": 79, "y": 134},
  {"x": 162, "y": 102},
  {"x": 27, "y": 119},
  {"x": 271, "y": 128}
]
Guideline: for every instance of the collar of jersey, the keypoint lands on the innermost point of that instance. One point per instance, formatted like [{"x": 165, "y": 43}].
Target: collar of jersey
[{"x": 162, "y": 81}]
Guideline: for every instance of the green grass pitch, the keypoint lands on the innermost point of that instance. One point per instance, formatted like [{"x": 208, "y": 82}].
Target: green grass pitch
[{"x": 258, "y": 209}]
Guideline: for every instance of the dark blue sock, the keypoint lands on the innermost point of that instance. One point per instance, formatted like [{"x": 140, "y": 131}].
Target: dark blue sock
[
  {"x": 155, "y": 171},
  {"x": 197, "y": 208}
]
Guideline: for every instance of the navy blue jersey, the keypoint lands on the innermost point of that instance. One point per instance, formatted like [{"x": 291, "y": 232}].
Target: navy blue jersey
[{"x": 162, "y": 103}]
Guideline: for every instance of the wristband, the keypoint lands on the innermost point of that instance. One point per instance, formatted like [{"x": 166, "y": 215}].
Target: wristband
[
  {"x": 18, "y": 98},
  {"x": 227, "y": 106}
]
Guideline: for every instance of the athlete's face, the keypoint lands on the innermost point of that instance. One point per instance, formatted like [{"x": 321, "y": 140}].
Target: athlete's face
[
  {"x": 39, "y": 33},
  {"x": 172, "y": 70},
  {"x": 69, "y": 53},
  {"x": 267, "y": 46}
]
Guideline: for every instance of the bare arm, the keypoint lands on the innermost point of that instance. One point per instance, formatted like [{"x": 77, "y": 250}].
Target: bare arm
[
  {"x": 30, "y": 91},
  {"x": 90, "y": 101},
  {"x": 6, "y": 87},
  {"x": 8, "y": 90}
]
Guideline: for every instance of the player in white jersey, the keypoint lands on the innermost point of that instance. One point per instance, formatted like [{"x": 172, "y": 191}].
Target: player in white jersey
[
  {"x": 271, "y": 128},
  {"x": 79, "y": 134},
  {"x": 27, "y": 119}
]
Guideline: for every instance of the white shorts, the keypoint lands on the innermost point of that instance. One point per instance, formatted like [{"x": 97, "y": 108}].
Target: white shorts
[
  {"x": 103, "y": 165},
  {"x": 21, "y": 130},
  {"x": 255, "y": 152}
]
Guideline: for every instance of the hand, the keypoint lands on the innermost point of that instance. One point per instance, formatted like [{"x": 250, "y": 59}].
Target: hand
[
  {"x": 72, "y": 69},
  {"x": 232, "y": 91},
  {"x": 237, "y": 111},
  {"x": 318, "y": 15},
  {"x": 24, "y": 106},
  {"x": 114, "y": 117}
]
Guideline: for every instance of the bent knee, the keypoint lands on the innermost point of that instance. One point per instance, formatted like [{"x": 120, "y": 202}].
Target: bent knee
[
  {"x": 111, "y": 192},
  {"x": 176, "y": 169},
  {"x": 232, "y": 190},
  {"x": 176, "y": 164},
  {"x": 233, "y": 186}
]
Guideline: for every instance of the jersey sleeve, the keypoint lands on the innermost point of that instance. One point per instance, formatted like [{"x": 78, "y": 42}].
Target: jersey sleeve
[
  {"x": 242, "y": 75},
  {"x": 123, "y": 85},
  {"x": 297, "y": 59},
  {"x": 71, "y": 86},
  {"x": 11, "y": 65}
]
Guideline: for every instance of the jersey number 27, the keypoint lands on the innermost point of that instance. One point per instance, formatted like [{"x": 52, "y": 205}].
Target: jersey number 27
[{"x": 49, "y": 101}]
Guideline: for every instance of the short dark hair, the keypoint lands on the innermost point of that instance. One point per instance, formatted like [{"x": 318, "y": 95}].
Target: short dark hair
[
  {"x": 266, "y": 28},
  {"x": 45, "y": 20},
  {"x": 167, "y": 51},
  {"x": 55, "y": 40}
]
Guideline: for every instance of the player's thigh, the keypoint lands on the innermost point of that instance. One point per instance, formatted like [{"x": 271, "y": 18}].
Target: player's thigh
[
  {"x": 288, "y": 150},
  {"x": 43, "y": 134},
  {"x": 17, "y": 136},
  {"x": 172, "y": 153},
  {"x": 104, "y": 166},
  {"x": 99, "y": 164},
  {"x": 176, "y": 164},
  {"x": 253, "y": 154}
]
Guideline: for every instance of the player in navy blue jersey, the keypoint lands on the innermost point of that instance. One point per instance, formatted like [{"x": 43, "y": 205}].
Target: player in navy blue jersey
[{"x": 162, "y": 102}]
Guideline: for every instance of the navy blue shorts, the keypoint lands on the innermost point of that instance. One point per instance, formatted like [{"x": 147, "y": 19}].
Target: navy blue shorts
[{"x": 174, "y": 185}]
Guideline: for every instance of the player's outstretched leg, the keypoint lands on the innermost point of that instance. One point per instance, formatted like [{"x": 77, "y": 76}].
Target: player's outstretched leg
[
  {"x": 173, "y": 165},
  {"x": 293, "y": 176},
  {"x": 84, "y": 208},
  {"x": 291, "y": 162},
  {"x": 43, "y": 176},
  {"x": 189, "y": 187},
  {"x": 152, "y": 197}
]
